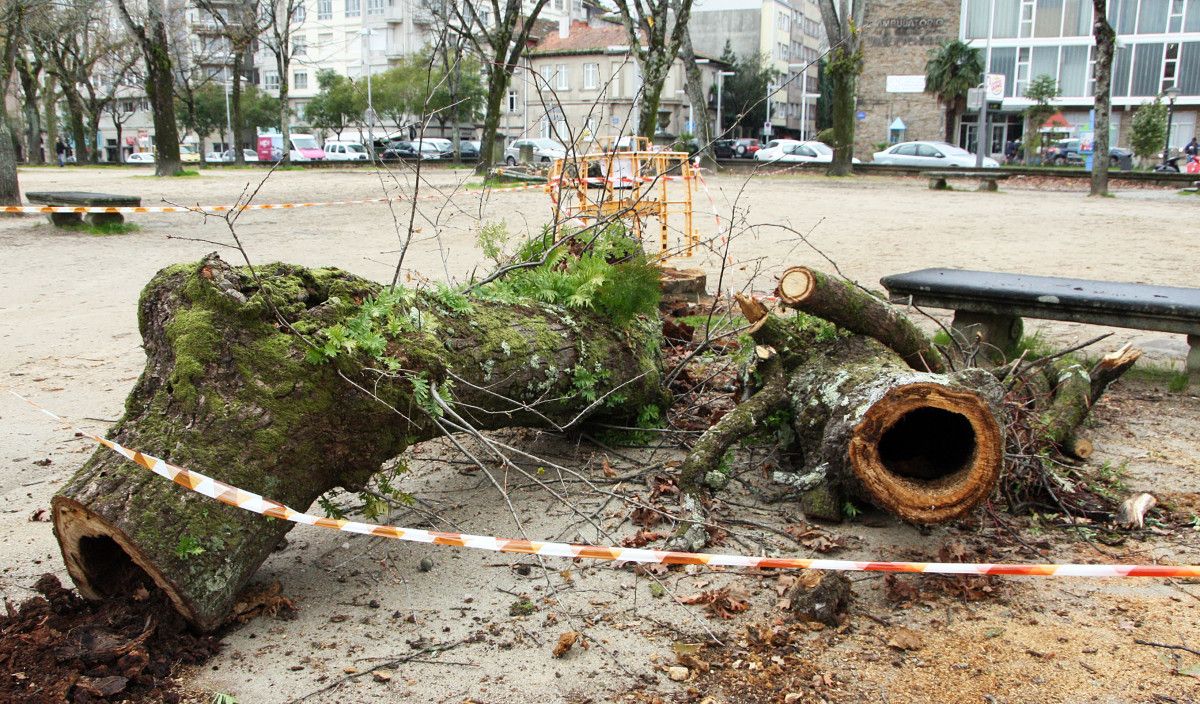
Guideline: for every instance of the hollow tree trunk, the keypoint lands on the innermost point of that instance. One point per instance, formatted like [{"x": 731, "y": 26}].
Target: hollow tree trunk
[
  {"x": 925, "y": 447},
  {"x": 227, "y": 391}
]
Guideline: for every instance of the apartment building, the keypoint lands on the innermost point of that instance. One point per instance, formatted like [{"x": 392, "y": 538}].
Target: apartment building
[
  {"x": 583, "y": 81},
  {"x": 787, "y": 33}
]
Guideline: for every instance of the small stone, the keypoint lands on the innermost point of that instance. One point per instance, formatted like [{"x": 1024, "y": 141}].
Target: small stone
[
  {"x": 678, "y": 673},
  {"x": 382, "y": 675},
  {"x": 426, "y": 564},
  {"x": 792, "y": 697}
]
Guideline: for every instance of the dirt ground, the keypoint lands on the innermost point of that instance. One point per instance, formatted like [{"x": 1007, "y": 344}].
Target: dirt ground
[{"x": 481, "y": 627}]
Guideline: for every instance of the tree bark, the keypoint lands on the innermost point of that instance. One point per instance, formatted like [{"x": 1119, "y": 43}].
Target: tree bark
[
  {"x": 1106, "y": 41},
  {"x": 843, "y": 79},
  {"x": 10, "y": 189},
  {"x": 702, "y": 130},
  {"x": 30, "y": 85},
  {"x": 235, "y": 102},
  {"x": 227, "y": 391},
  {"x": 497, "y": 90},
  {"x": 847, "y": 306}
]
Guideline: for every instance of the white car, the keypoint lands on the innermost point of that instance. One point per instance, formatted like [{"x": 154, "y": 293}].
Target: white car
[
  {"x": 774, "y": 149},
  {"x": 930, "y": 154},
  {"x": 140, "y": 158},
  {"x": 336, "y": 150},
  {"x": 810, "y": 152},
  {"x": 248, "y": 156},
  {"x": 544, "y": 150},
  {"x": 444, "y": 146}
]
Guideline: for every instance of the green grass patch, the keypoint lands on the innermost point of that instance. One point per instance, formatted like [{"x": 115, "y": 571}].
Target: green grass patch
[{"x": 112, "y": 228}]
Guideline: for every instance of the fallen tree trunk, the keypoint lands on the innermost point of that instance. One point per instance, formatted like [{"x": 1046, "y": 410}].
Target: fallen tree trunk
[{"x": 232, "y": 389}]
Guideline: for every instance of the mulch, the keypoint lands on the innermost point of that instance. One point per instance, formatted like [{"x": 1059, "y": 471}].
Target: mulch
[{"x": 57, "y": 647}]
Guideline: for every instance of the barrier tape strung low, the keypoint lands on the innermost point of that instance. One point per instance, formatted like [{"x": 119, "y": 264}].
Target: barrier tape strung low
[{"x": 249, "y": 501}]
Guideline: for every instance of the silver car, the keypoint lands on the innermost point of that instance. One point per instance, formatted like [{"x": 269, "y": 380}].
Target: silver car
[
  {"x": 930, "y": 154},
  {"x": 544, "y": 150}
]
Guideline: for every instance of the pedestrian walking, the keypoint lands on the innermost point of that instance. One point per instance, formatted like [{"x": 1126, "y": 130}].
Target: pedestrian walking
[
  {"x": 61, "y": 150},
  {"x": 1192, "y": 149}
]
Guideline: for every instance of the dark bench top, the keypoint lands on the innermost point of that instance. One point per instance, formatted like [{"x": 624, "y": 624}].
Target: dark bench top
[
  {"x": 964, "y": 174},
  {"x": 1125, "y": 305},
  {"x": 82, "y": 198}
]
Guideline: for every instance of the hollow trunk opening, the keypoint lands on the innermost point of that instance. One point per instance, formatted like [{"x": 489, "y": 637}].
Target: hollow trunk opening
[{"x": 927, "y": 444}]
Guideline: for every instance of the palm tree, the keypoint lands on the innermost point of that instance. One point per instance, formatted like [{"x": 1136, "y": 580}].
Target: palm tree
[{"x": 953, "y": 68}]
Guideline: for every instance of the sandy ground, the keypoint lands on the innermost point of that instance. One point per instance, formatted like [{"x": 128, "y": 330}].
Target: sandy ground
[{"x": 68, "y": 328}]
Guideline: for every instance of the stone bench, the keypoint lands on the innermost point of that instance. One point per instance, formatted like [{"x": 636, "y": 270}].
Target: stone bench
[
  {"x": 987, "y": 182},
  {"x": 84, "y": 199},
  {"x": 992, "y": 304}
]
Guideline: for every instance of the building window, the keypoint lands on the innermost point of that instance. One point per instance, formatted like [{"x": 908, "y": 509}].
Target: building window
[
  {"x": 1170, "y": 67},
  {"x": 547, "y": 71},
  {"x": 1175, "y": 19},
  {"x": 298, "y": 13},
  {"x": 374, "y": 7},
  {"x": 353, "y": 8},
  {"x": 299, "y": 46},
  {"x": 300, "y": 80},
  {"x": 591, "y": 76},
  {"x": 561, "y": 72},
  {"x": 512, "y": 100},
  {"x": 270, "y": 80},
  {"x": 324, "y": 9}
]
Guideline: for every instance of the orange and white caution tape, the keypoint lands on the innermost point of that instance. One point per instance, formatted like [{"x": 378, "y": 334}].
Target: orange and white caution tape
[{"x": 249, "y": 501}]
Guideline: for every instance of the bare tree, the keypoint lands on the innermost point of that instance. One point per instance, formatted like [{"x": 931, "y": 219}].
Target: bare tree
[
  {"x": 656, "y": 30},
  {"x": 120, "y": 111},
  {"x": 284, "y": 15},
  {"x": 694, "y": 85},
  {"x": 29, "y": 67},
  {"x": 842, "y": 20},
  {"x": 149, "y": 29},
  {"x": 1106, "y": 41},
  {"x": 499, "y": 36},
  {"x": 242, "y": 23}
]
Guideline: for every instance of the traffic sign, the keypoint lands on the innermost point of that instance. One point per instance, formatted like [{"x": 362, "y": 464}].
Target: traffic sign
[{"x": 860, "y": 115}]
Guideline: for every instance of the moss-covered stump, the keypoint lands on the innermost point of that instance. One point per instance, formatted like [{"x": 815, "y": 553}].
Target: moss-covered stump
[
  {"x": 925, "y": 447},
  {"x": 266, "y": 382}
]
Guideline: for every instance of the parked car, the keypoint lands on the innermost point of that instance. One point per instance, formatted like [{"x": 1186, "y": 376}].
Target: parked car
[
  {"x": 793, "y": 152},
  {"x": 189, "y": 154},
  {"x": 468, "y": 150},
  {"x": 444, "y": 146},
  {"x": 544, "y": 150},
  {"x": 303, "y": 148},
  {"x": 930, "y": 154},
  {"x": 774, "y": 149},
  {"x": 340, "y": 150},
  {"x": 140, "y": 158},
  {"x": 745, "y": 148},
  {"x": 1066, "y": 151},
  {"x": 226, "y": 157},
  {"x": 404, "y": 149}
]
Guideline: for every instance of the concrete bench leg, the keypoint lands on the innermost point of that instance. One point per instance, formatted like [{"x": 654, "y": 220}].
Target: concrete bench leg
[
  {"x": 66, "y": 219},
  {"x": 996, "y": 335},
  {"x": 937, "y": 184},
  {"x": 1193, "y": 358},
  {"x": 101, "y": 219},
  {"x": 989, "y": 184}
]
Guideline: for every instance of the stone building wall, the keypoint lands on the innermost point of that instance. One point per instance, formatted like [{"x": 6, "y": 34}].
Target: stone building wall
[{"x": 898, "y": 36}]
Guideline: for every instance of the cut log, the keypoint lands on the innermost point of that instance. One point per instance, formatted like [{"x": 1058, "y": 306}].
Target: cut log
[
  {"x": 926, "y": 447},
  {"x": 849, "y": 307},
  {"x": 227, "y": 391}
]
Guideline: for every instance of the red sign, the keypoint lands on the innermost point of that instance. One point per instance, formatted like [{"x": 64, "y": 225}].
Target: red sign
[{"x": 265, "y": 148}]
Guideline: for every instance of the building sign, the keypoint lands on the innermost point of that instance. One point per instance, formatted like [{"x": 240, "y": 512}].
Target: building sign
[
  {"x": 906, "y": 84},
  {"x": 995, "y": 87},
  {"x": 910, "y": 31}
]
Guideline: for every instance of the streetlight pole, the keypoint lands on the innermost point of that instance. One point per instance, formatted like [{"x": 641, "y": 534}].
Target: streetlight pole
[
  {"x": 366, "y": 33},
  {"x": 720, "y": 80},
  {"x": 228, "y": 119},
  {"x": 1172, "y": 93}
]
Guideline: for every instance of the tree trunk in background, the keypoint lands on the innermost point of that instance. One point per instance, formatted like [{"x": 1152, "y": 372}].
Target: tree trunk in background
[
  {"x": 151, "y": 36},
  {"x": 235, "y": 106},
  {"x": 50, "y": 110},
  {"x": 10, "y": 190},
  {"x": 75, "y": 120},
  {"x": 842, "y": 80},
  {"x": 702, "y": 130},
  {"x": 30, "y": 85},
  {"x": 1106, "y": 40},
  {"x": 227, "y": 392},
  {"x": 497, "y": 91},
  {"x": 285, "y": 114}
]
